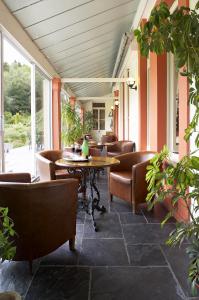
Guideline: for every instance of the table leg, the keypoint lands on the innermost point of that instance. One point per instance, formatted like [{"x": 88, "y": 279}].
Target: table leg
[{"x": 94, "y": 200}]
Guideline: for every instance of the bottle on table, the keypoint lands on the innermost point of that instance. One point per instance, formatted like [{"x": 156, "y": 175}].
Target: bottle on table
[{"x": 85, "y": 147}]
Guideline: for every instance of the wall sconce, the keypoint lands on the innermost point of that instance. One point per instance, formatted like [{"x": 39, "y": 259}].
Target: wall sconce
[
  {"x": 131, "y": 84},
  {"x": 116, "y": 102}
]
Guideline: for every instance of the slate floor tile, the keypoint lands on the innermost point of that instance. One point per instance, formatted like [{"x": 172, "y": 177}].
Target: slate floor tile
[
  {"x": 146, "y": 233},
  {"x": 62, "y": 256},
  {"x": 60, "y": 283},
  {"x": 146, "y": 255},
  {"x": 179, "y": 261},
  {"x": 81, "y": 215},
  {"x": 157, "y": 215},
  {"x": 118, "y": 205},
  {"x": 134, "y": 283},
  {"x": 130, "y": 218},
  {"x": 15, "y": 276},
  {"x": 103, "y": 252},
  {"x": 108, "y": 224}
]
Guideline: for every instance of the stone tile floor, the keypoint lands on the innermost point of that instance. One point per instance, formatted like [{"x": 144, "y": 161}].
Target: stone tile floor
[{"x": 126, "y": 260}]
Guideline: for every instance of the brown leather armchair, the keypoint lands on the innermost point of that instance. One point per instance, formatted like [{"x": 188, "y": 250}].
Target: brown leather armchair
[
  {"x": 127, "y": 180},
  {"x": 46, "y": 167},
  {"x": 44, "y": 213},
  {"x": 120, "y": 147},
  {"x": 108, "y": 138}
]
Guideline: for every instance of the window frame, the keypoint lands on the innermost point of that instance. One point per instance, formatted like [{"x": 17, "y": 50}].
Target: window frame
[
  {"x": 98, "y": 109},
  {"x": 34, "y": 67}
]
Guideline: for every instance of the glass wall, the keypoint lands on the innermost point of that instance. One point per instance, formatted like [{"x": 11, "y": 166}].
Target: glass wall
[
  {"x": 18, "y": 154},
  {"x": 25, "y": 109}
]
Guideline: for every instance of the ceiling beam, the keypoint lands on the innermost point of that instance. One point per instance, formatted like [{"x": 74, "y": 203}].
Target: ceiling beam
[
  {"x": 96, "y": 98},
  {"x": 95, "y": 79}
]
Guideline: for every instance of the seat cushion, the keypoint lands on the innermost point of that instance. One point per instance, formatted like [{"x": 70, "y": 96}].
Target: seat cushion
[{"x": 122, "y": 176}]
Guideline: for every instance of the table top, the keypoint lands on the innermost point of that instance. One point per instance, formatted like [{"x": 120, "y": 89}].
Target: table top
[{"x": 95, "y": 162}]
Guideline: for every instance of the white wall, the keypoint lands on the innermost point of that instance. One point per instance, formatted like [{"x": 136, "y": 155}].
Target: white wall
[{"x": 131, "y": 107}]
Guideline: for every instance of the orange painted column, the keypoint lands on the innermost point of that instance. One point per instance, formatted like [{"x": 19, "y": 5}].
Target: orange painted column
[
  {"x": 182, "y": 212},
  {"x": 183, "y": 104},
  {"x": 142, "y": 91},
  {"x": 158, "y": 101},
  {"x": 72, "y": 101},
  {"x": 56, "y": 113},
  {"x": 116, "y": 94}
]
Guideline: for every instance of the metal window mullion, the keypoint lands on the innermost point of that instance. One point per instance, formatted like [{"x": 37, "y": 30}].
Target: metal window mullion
[{"x": 33, "y": 115}]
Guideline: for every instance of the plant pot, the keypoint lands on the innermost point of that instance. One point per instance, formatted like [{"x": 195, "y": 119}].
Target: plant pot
[{"x": 10, "y": 296}]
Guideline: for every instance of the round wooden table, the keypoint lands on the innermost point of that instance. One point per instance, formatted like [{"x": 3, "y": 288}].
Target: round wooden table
[{"x": 88, "y": 170}]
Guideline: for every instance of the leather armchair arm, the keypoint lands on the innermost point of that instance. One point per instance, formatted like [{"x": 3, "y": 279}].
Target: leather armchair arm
[
  {"x": 15, "y": 177},
  {"x": 139, "y": 171}
]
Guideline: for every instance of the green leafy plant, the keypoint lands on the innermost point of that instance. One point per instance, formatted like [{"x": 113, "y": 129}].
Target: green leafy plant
[
  {"x": 178, "y": 33},
  {"x": 7, "y": 232},
  {"x": 72, "y": 128},
  {"x": 88, "y": 121}
]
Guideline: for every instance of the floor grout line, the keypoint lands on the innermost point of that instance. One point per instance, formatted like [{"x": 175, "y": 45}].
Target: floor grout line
[
  {"x": 33, "y": 276},
  {"x": 173, "y": 274},
  {"x": 145, "y": 217},
  {"x": 90, "y": 281},
  {"x": 125, "y": 245}
]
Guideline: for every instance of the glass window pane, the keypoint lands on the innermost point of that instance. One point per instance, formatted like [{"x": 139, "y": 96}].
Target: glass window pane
[
  {"x": 42, "y": 86},
  {"x": 39, "y": 118},
  {"x": 102, "y": 113},
  {"x": 95, "y": 113},
  {"x": 98, "y": 104},
  {"x": 102, "y": 124},
  {"x": 18, "y": 153},
  {"x": 95, "y": 124}
]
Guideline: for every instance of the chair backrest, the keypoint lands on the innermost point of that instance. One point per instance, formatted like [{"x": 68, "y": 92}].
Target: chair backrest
[
  {"x": 127, "y": 146},
  {"x": 45, "y": 163},
  {"x": 44, "y": 215},
  {"x": 108, "y": 139},
  {"x": 133, "y": 158}
]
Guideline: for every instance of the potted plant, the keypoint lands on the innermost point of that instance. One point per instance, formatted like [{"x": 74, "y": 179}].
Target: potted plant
[
  {"x": 177, "y": 33},
  {"x": 72, "y": 128},
  {"x": 88, "y": 122}
]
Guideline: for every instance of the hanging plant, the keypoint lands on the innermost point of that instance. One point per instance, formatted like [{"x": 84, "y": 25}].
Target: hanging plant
[{"x": 177, "y": 33}]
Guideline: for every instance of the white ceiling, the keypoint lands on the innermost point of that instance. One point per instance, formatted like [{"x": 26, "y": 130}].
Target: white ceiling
[{"x": 79, "y": 37}]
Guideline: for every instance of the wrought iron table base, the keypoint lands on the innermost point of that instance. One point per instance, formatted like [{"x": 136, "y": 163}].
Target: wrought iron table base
[{"x": 91, "y": 203}]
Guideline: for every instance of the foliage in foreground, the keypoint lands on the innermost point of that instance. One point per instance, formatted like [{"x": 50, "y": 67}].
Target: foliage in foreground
[
  {"x": 177, "y": 33},
  {"x": 7, "y": 250}
]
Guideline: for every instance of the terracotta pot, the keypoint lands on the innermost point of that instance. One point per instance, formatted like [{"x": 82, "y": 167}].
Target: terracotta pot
[{"x": 10, "y": 296}]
